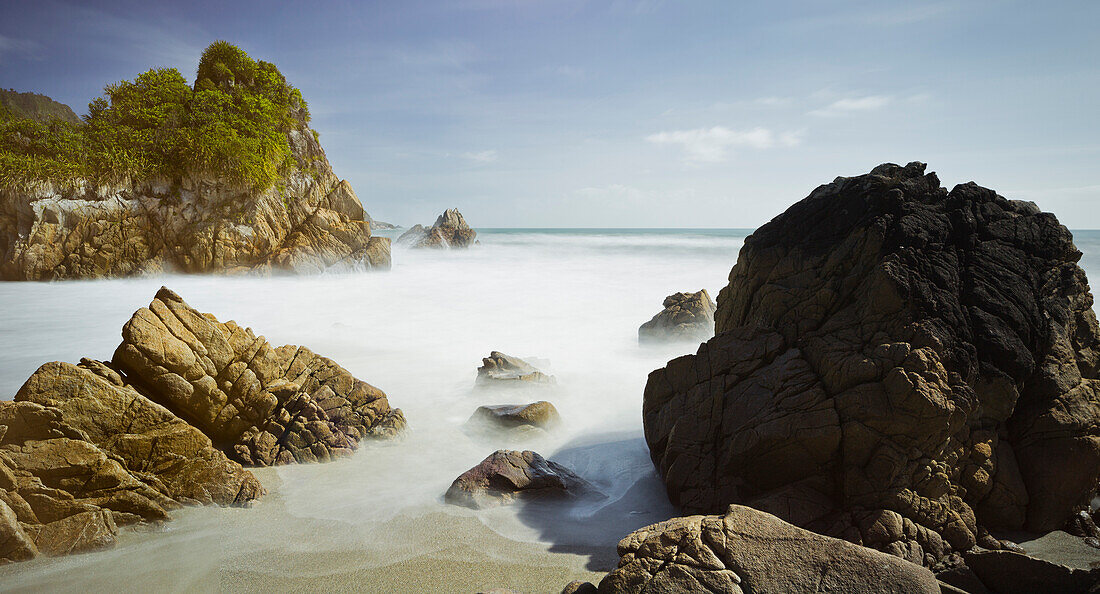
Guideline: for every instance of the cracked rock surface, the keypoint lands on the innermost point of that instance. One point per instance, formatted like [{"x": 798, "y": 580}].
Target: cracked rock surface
[
  {"x": 895, "y": 364},
  {"x": 748, "y": 551},
  {"x": 262, "y": 405},
  {"x": 686, "y": 316}
]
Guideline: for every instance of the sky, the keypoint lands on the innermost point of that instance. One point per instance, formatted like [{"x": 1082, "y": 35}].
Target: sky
[{"x": 628, "y": 113}]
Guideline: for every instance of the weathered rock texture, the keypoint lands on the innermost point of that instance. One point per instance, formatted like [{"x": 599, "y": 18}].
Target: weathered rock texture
[
  {"x": 746, "y": 550},
  {"x": 262, "y": 405},
  {"x": 895, "y": 364},
  {"x": 449, "y": 231},
  {"x": 507, "y": 474},
  {"x": 539, "y": 414},
  {"x": 307, "y": 221},
  {"x": 1008, "y": 572},
  {"x": 686, "y": 316},
  {"x": 499, "y": 369},
  {"x": 82, "y": 453}
]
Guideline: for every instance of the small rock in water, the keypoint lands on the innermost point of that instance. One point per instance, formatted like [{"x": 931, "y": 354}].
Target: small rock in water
[
  {"x": 500, "y": 369},
  {"x": 507, "y": 475},
  {"x": 449, "y": 231},
  {"x": 686, "y": 316},
  {"x": 539, "y": 414}
]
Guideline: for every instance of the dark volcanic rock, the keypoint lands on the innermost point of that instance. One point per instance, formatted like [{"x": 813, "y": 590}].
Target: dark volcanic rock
[
  {"x": 507, "y": 474},
  {"x": 449, "y": 231},
  {"x": 499, "y": 369},
  {"x": 746, "y": 550},
  {"x": 895, "y": 364},
  {"x": 262, "y": 405},
  {"x": 686, "y": 316}
]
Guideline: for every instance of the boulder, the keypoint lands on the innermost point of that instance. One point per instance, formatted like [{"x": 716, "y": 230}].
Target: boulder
[
  {"x": 894, "y": 364},
  {"x": 686, "y": 316},
  {"x": 308, "y": 220},
  {"x": 507, "y": 475},
  {"x": 499, "y": 369},
  {"x": 747, "y": 550},
  {"x": 1009, "y": 572},
  {"x": 260, "y": 404},
  {"x": 541, "y": 415},
  {"x": 449, "y": 231}
]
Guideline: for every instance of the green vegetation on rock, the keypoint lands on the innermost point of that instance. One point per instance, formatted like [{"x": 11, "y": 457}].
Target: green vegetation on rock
[
  {"x": 36, "y": 107},
  {"x": 233, "y": 124}
]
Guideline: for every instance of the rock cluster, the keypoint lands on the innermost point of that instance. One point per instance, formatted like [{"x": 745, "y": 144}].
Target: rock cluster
[
  {"x": 746, "y": 550},
  {"x": 686, "y": 316},
  {"x": 897, "y": 365},
  {"x": 449, "y": 231},
  {"x": 507, "y": 475},
  {"x": 307, "y": 221},
  {"x": 499, "y": 369},
  {"x": 82, "y": 452}
]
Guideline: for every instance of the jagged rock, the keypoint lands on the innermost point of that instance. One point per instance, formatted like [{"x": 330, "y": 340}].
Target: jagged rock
[
  {"x": 499, "y": 369},
  {"x": 541, "y": 415},
  {"x": 686, "y": 316},
  {"x": 507, "y": 474},
  {"x": 1008, "y": 572},
  {"x": 307, "y": 221},
  {"x": 449, "y": 231},
  {"x": 747, "y": 550},
  {"x": 896, "y": 365},
  {"x": 261, "y": 405}
]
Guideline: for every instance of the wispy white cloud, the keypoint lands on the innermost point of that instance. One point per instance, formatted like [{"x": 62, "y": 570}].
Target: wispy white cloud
[
  {"x": 11, "y": 45},
  {"x": 481, "y": 156},
  {"x": 712, "y": 145},
  {"x": 850, "y": 105}
]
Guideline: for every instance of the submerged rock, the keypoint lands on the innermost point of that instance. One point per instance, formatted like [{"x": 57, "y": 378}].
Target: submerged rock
[
  {"x": 507, "y": 475},
  {"x": 307, "y": 221},
  {"x": 747, "y": 550},
  {"x": 686, "y": 316},
  {"x": 541, "y": 415},
  {"x": 895, "y": 364},
  {"x": 499, "y": 369},
  {"x": 449, "y": 231},
  {"x": 262, "y": 405}
]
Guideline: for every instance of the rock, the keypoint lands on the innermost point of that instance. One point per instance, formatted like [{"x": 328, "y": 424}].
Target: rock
[
  {"x": 499, "y": 369},
  {"x": 507, "y": 475},
  {"x": 895, "y": 365},
  {"x": 307, "y": 221},
  {"x": 539, "y": 414},
  {"x": 261, "y": 405},
  {"x": 449, "y": 231},
  {"x": 686, "y": 316},
  {"x": 747, "y": 550},
  {"x": 579, "y": 587},
  {"x": 1007, "y": 572}
]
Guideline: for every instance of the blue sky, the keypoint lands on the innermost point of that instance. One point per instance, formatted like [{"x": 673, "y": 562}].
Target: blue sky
[{"x": 632, "y": 113}]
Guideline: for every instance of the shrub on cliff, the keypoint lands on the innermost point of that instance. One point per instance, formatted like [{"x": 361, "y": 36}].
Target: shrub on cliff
[{"x": 232, "y": 123}]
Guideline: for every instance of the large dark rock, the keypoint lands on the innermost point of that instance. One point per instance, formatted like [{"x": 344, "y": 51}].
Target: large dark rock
[
  {"x": 750, "y": 551},
  {"x": 686, "y": 316},
  {"x": 895, "y": 364},
  {"x": 262, "y": 405}
]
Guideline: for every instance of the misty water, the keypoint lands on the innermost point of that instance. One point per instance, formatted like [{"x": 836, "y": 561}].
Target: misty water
[{"x": 572, "y": 299}]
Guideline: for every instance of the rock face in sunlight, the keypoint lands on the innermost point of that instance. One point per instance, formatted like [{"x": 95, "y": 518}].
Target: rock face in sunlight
[
  {"x": 746, "y": 550},
  {"x": 686, "y": 316},
  {"x": 507, "y": 475},
  {"x": 449, "y": 231},
  {"x": 307, "y": 221},
  {"x": 897, "y": 365},
  {"x": 541, "y": 415},
  {"x": 262, "y": 405},
  {"x": 499, "y": 369}
]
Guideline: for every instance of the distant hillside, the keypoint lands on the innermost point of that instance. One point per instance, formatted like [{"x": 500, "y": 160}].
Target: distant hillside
[{"x": 39, "y": 108}]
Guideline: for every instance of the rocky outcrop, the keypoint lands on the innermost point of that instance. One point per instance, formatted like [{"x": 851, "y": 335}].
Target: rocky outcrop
[
  {"x": 449, "y": 231},
  {"x": 307, "y": 221},
  {"x": 262, "y": 405},
  {"x": 82, "y": 453},
  {"x": 507, "y": 475},
  {"x": 499, "y": 369},
  {"x": 686, "y": 316},
  {"x": 1009, "y": 572},
  {"x": 746, "y": 550},
  {"x": 895, "y": 364},
  {"x": 541, "y": 415}
]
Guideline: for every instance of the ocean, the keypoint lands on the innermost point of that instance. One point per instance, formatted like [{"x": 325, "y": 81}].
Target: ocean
[{"x": 571, "y": 299}]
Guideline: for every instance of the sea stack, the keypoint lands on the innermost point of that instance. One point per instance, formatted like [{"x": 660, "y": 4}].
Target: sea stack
[
  {"x": 449, "y": 231},
  {"x": 895, "y": 364}
]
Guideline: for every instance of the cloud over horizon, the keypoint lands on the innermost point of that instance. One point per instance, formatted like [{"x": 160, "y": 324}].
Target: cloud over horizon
[{"x": 712, "y": 145}]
